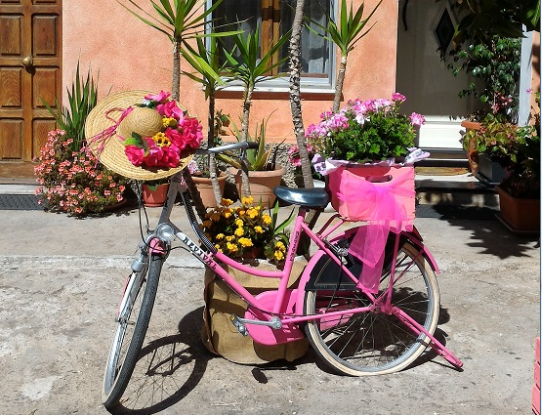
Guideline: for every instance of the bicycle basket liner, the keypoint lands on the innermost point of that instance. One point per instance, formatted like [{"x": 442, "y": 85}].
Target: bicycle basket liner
[
  {"x": 115, "y": 118},
  {"x": 378, "y": 194}
]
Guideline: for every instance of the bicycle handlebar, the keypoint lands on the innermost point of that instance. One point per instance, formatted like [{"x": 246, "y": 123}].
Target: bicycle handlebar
[{"x": 228, "y": 147}]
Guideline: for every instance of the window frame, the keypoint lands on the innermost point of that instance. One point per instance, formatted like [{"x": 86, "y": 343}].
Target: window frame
[{"x": 309, "y": 84}]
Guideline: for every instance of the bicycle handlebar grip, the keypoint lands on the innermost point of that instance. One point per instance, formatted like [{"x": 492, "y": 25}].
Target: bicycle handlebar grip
[{"x": 227, "y": 147}]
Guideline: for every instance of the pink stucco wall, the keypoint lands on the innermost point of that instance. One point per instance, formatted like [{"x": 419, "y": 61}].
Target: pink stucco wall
[{"x": 127, "y": 54}]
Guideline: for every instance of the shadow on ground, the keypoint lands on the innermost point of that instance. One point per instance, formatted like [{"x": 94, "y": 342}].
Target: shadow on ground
[{"x": 486, "y": 231}]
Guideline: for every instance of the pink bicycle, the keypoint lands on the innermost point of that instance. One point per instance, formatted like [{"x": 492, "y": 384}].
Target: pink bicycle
[{"x": 356, "y": 331}]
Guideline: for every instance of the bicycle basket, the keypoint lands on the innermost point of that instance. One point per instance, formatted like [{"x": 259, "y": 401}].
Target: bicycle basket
[{"x": 374, "y": 193}]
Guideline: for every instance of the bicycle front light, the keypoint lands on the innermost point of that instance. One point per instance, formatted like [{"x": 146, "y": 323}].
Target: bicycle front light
[{"x": 165, "y": 232}]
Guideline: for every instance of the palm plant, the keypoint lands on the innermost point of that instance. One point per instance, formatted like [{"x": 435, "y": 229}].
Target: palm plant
[
  {"x": 181, "y": 21},
  {"x": 205, "y": 61},
  {"x": 247, "y": 66},
  {"x": 345, "y": 33}
]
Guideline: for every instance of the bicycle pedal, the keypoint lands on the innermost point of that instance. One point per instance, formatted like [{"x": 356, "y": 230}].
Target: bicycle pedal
[{"x": 241, "y": 328}]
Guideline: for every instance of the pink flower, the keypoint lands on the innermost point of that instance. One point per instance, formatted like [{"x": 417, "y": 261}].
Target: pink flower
[
  {"x": 397, "y": 97},
  {"x": 135, "y": 155},
  {"x": 170, "y": 109},
  {"x": 417, "y": 119},
  {"x": 160, "y": 97}
]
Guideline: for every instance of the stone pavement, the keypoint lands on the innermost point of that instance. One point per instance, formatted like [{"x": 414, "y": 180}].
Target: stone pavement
[{"x": 60, "y": 281}]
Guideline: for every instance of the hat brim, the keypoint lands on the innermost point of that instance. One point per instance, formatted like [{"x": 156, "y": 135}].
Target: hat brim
[{"x": 111, "y": 152}]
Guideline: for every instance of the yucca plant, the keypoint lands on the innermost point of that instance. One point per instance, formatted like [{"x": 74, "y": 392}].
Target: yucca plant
[
  {"x": 205, "y": 61},
  {"x": 257, "y": 159},
  {"x": 247, "y": 66},
  {"x": 345, "y": 33},
  {"x": 180, "y": 21},
  {"x": 82, "y": 98}
]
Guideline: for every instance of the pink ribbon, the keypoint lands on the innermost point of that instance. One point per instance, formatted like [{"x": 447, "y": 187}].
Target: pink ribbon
[
  {"x": 378, "y": 203},
  {"x": 101, "y": 138}
]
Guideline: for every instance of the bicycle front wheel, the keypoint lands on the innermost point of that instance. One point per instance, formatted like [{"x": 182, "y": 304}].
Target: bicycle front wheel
[
  {"x": 132, "y": 322},
  {"x": 375, "y": 342}
]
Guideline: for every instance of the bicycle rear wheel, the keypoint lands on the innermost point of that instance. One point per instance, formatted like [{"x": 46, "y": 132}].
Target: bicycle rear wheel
[
  {"x": 132, "y": 322},
  {"x": 373, "y": 342}
]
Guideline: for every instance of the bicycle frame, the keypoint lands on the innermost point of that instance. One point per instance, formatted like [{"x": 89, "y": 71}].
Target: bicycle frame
[{"x": 273, "y": 317}]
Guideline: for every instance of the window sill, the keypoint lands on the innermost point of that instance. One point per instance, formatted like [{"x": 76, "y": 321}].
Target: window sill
[{"x": 280, "y": 90}]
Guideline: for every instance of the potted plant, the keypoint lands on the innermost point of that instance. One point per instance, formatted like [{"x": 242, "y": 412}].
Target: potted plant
[
  {"x": 493, "y": 62},
  {"x": 495, "y": 142},
  {"x": 519, "y": 191},
  {"x": 248, "y": 234},
  {"x": 246, "y": 66},
  {"x": 154, "y": 192},
  {"x": 70, "y": 177},
  {"x": 263, "y": 172},
  {"x": 365, "y": 131}
]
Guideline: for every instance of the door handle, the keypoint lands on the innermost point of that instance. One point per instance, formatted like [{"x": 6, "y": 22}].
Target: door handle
[{"x": 28, "y": 62}]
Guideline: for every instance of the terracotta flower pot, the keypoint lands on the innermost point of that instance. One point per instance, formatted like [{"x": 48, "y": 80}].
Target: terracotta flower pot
[
  {"x": 205, "y": 189},
  {"x": 262, "y": 184},
  {"x": 521, "y": 215},
  {"x": 472, "y": 153},
  {"x": 154, "y": 197}
]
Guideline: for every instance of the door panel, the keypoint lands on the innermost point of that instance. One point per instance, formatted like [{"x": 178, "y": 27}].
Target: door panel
[{"x": 30, "y": 70}]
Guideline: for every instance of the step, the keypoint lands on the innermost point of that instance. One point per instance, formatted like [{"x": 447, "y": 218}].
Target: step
[{"x": 459, "y": 190}]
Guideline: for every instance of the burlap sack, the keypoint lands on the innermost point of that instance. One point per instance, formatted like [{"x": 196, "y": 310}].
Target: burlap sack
[{"x": 219, "y": 334}]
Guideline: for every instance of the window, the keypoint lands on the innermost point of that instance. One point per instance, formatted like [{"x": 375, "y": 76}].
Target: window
[{"x": 275, "y": 17}]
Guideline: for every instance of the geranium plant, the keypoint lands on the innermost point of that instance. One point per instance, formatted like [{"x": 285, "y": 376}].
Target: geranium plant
[
  {"x": 72, "y": 181},
  {"x": 247, "y": 231},
  {"x": 365, "y": 131},
  {"x": 179, "y": 134}
]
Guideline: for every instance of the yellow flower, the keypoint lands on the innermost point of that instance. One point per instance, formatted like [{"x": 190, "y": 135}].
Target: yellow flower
[
  {"x": 161, "y": 140},
  {"x": 247, "y": 200},
  {"x": 280, "y": 246},
  {"x": 258, "y": 229},
  {"x": 278, "y": 255},
  {"x": 267, "y": 219},
  {"x": 239, "y": 232},
  {"x": 219, "y": 236},
  {"x": 169, "y": 122},
  {"x": 226, "y": 214},
  {"x": 239, "y": 222},
  {"x": 217, "y": 246},
  {"x": 230, "y": 238},
  {"x": 245, "y": 242},
  {"x": 241, "y": 212},
  {"x": 226, "y": 202},
  {"x": 232, "y": 247},
  {"x": 252, "y": 213}
]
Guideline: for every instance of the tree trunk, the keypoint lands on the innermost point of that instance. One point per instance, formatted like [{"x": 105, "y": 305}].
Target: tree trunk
[
  {"x": 247, "y": 103},
  {"x": 340, "y": 82},
  {"x": 176, "y": 78},
  {"x": 194, "y": 193},
  {"x": 297, "y": 116},
  {"x": 295, "y": 93},
  {"x": 211, "y": 159}
]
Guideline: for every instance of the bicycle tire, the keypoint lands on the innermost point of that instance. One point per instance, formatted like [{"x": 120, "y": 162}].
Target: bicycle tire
[
  {"x": 375, "y": 343},
  {"x": 127, "y": 343}
]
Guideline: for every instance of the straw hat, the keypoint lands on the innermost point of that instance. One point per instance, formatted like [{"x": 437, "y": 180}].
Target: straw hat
[{"x": 144, "y": 121}]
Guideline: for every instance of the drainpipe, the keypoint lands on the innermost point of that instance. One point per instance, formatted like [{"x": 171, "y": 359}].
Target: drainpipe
[{"x": 525, "y": 78}]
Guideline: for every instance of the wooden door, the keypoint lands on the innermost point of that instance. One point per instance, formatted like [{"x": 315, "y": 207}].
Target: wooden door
[{"x": 30, "y": 69}]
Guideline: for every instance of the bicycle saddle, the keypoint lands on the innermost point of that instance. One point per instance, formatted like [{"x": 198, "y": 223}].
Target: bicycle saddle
[{"x": 310, "y": 198}]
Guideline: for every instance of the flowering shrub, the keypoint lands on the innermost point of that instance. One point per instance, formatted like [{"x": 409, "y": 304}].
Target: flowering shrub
[
  {"x": 295, "y": 158},
  {"x": 245, "y": 231},
  {"x": 73, "y": 181},
  {"x": 180, "y": 133},
  {"x": 365, "y": 131}
]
